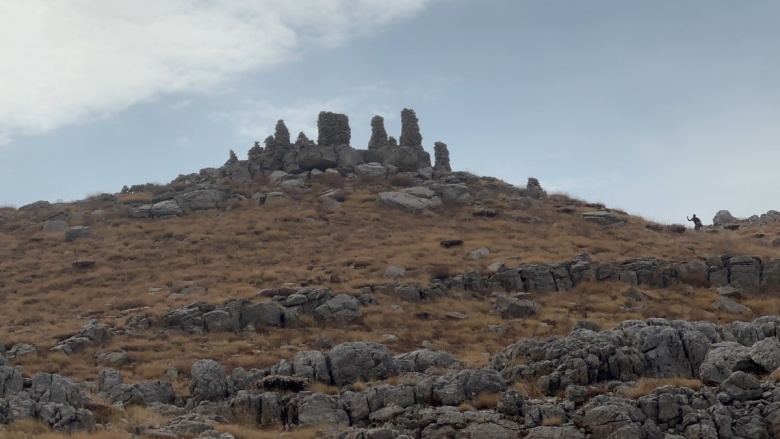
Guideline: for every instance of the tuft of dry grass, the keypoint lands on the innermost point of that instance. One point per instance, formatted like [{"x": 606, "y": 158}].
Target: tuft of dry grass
[
  {"x": 487, "y": 401},
  {"x": 244, "y": 432},
  {"x": 553, "y": 421},
  {"x": 646, "y": 386}
]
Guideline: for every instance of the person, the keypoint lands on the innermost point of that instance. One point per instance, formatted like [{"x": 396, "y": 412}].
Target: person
[{"x": 696, "y": 222}]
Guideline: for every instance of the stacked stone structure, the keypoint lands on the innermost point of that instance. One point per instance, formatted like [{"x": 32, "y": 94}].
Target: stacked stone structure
[
  {"x": 333, "y": 129},
  {"x": 442, "y": 157}
]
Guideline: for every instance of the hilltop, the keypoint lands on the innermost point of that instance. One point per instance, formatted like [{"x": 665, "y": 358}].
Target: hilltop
[{"x": 366, "y": 269}]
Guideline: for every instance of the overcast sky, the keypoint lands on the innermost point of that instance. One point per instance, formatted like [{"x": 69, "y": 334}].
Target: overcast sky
[{"x": 660, "y": 108}]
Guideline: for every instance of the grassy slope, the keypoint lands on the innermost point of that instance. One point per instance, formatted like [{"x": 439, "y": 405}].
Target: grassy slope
[{"x": 237, "y": 251}]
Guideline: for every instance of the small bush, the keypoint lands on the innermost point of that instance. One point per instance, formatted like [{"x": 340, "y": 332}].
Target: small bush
[
  {"x": 401, "y": 180},
  {"x": 677, "y": 228},
  {"x": 331, "y": 180},
  {"x": 486, "y": 401}
]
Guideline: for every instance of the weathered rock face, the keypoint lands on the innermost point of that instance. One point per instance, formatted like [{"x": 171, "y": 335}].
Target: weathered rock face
[
  {"x": 441, "y": 157},
  {"x": 208, "y": 381},
  {"x": 333, "y": 129},
  {"x": 342, "y": 308},
  {"x": 355, "y": 361},
  {"x": 93, "y": 333}
]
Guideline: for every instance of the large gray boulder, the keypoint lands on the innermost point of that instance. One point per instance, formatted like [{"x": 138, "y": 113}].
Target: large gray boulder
[
  {"x": 766, "y": 353},
  {"x": 165, "y": 209},
  {"x": 362, "y": 361},
  {"x": 201, "y": 199},
  {"x": 722, "y": 218},
  {"x": 372, "y": 169},
  {"x": 262, "y": 314},
  {"x": 93, "y": 333},
  {"x": 406, "y": 202},
  {"x": 511, "y": 308},
  {"x": 481, "y": 381},
  {"x": 342, "y": 309},
  {"x": 208, "y": 381},
  {"x": 55, "y": 226}
]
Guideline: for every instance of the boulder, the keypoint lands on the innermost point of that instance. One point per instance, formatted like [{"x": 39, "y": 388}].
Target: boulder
[
  {"x": 362, "y": 361},
  {"x": 478, "y": 253},
  {"x": 342, "y": 308},
  {"x": 766, "y": 353},
  {"x": 481, "y": 381},
  {"x": 729, "y": 306},
  {"x": 320, "y": 410},
  {"x": 723, "y": 359},
  {"x": 165, "y": 209},
  {"x": 372, "y": 169},
  {"x": 394, "y": 272},
  {"x": 208, "y": 381},
  {"x": 602, "y": 217},
  {"x": 406, "y": 202},
  {"x": 419, "y": 191},
  {"x": 742, "y": 386},
  {"x": 201, "y": 199},
  {"x": 511, "y": 308},
  {"x": 722, "y": 218},
  {"x": 555, "y": 433},
  {"x": 312, "y": 365},
  {"x": 55, "y": 226}
]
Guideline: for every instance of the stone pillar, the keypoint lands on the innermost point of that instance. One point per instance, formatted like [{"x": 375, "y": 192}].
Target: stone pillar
[
  {"x": 378, "y": 133},
  {"x": 255, "y": 151},
  {"x": 233, "y": 159},
  {"x": 333, "y": 129},
  {"x": 534, "y": 188},
  {"x": 442, "y": 157},
  {"x": 281, "y": 134},
  {"x": 302, "y": 141},
  {"x": 410, "y": 130}
]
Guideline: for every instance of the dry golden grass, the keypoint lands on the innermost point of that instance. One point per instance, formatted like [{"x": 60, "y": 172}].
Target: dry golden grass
[
  {"x": 487, "y": 401},
  {"x": 646, "y": 386},
  {"x": 236, "y": 252},
  {"x": 553, "y": 421},
  {"x": 243, "y": 432}
]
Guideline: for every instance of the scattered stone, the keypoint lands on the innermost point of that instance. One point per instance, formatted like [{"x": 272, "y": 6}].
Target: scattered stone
[
  {"x": 603, "y": 218},
  {"x": 342, "y": 308},
  {"x": 511, "y": 308},
  {"x": 407, "y": 202},
  {"x": 454, "y": 315},
  {"x": 21, "y": 350},
  {"x": 55, "y": 226},
  {"x": 730, "y": 292},
  {"x": 83, "y": 264},
  {"x": 449, "y": 243},
  {"x": 634, "y": 293},
  {"x": 394, "y": 272},
  {"x": 208, "y": 381},
  {"x": 729, "y": 306},
  {"x": 478, "y": 253},
  {"x": 372, "y": 169}
]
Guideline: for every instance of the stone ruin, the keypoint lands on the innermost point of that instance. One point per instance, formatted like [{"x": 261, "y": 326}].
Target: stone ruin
[{"x": 332, "y": 150}]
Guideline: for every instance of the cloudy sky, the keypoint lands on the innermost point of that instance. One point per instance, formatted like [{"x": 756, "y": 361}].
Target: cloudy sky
[{"x": 662, "y": 109}]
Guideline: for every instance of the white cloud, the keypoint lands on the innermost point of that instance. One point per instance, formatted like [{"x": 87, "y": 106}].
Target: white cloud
[{"x": 71, "y": 60}]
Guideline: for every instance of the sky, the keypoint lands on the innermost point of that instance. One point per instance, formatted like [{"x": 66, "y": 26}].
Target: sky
[{"x": 662, "y": 109}]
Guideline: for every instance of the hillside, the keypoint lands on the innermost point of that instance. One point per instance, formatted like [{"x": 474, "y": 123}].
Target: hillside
[{"x": 247, "y": 265}]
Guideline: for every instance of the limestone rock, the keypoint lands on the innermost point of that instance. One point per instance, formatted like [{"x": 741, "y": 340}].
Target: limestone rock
[
  {"x": 55, "y": 226},
  {"x": 729, "y": 306},
  {"x": 208, "y": 381},
  {"x": 441, "y": 157},
  {"x": 511, "y": 308},
  {"x": 342, "y": 308},
  {"x": 722, "y": 218},
  {"x": 372, "y": 169},
  {"x": 407, "y": 202},
  {"x": 603, "y": 218},
  {"x": 364, "y": 361}
]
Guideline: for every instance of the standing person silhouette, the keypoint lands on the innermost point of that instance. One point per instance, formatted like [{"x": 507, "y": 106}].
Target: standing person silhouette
[{"x": 696, "y": 222}]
